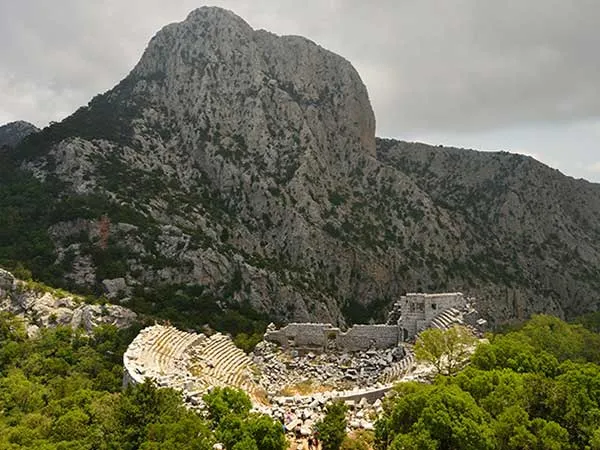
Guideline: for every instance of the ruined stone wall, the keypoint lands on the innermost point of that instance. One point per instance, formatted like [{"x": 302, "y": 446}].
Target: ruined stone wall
[
  {"x": 324, "y": 337},
  {"x": 415, "y": 312},
  {"x": 365, "y": 337},
  {"x": 302, "y": 335}
]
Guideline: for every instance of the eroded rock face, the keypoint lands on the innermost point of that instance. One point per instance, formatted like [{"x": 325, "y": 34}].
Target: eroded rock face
[
  {"x": 7, "y": 282},
  {"x": 529, "y": 230},
  {"x": 282, "y": 95},
  {"x": 47, "y": 309},
  {"x": 231, "y": 142}
]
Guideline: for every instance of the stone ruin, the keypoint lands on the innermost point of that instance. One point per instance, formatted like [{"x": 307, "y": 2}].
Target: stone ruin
[
  {"x": 297, "y": 369},
  {"x": 189, "y": 362},
  {"x": 410, "y": 315},
  {"x": 414, "y": 313},
  {"x": 323, "y": 337}
]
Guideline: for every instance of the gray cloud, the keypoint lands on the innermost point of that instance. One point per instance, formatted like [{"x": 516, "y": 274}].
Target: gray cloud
[{"x": 430, "y": 66}]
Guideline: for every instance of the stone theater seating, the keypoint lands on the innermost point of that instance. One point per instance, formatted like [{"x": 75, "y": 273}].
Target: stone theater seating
[{"x": 190, "y": 362}]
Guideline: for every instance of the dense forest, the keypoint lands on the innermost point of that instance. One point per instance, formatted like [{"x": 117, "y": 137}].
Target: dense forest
[{"x": 535, "y": 387}]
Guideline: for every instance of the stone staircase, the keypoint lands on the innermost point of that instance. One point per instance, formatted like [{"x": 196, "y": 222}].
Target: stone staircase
[
  {"x": 447, "y": 319},
  {"x": 160, "y": 348},
  {"x": 217, "y": 359},
  {"x": 443, "y": 321}
]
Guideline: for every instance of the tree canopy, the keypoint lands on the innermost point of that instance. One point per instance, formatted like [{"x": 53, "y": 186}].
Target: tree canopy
[
  {"x": 537, "y": 387},
  {"x": 447, "y": 350},
  {"x": 332, "y": 428}
]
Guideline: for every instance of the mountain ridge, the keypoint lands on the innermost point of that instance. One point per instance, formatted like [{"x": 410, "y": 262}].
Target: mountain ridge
[{"x": 246, "y": 163}]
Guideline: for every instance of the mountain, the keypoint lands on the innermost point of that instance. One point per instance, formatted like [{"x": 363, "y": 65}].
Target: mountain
[
  {"x": 528, "y": 227},
  {"x": 11, "y": 134},
  {"x": 236, "y": 169}
]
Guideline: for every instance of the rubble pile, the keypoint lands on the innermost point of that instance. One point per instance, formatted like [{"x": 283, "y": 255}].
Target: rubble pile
[
  {"x": 299, "y": 414},
  {"x": 281, "y": 370}
]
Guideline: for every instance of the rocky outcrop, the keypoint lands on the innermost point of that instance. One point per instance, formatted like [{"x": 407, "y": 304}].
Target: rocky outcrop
[
  {"x": 52, "y": 308},
  {"x": 11, "y": 134},
  {"x": 246, "y": 163}
]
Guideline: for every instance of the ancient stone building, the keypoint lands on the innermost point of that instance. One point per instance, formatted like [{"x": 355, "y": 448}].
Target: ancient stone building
[{"x": 415, "y": 312}]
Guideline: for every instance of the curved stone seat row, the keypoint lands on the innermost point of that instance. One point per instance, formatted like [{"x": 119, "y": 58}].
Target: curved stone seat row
[
  {"x": 446, "y": 319},
  {"x": 398, "y": 369},
  {"x": 190, "y": 362},
  {"x": 157, "y": 350},
  {"x": 220, "y": 360}
]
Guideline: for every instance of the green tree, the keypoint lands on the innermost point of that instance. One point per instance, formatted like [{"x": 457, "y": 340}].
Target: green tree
[
  {"x": 266, "y": 432},
  {"x": 189, "y": 432},
  {"x": 221, "y": 402},
  {"x": 228, "y": 409},
  {"x": 142, "y": 405},
  {"x": 18, "y": 394},
  {"x": 332, "y": 428},
  {"x": 447, "y": 350},
  {"x": 442, "y": 414},
  {"x": 358, "y": 440}
]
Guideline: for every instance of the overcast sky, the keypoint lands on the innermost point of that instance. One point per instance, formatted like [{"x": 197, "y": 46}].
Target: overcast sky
[{"x": 521, "y": 76}]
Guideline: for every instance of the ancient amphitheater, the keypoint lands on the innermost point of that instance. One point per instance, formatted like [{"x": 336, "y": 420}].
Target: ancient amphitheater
[
  {"x": 298, "y": 368},
  {"x": 189, "y": 362}
]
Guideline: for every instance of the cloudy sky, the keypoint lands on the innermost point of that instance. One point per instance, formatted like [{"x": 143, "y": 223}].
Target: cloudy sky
[{"x": 517, "y": 75}]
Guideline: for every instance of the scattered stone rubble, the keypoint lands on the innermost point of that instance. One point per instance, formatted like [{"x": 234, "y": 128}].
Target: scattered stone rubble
[
  {"x": 299, "y": 415},
  {"x": 280, "y": 369}
]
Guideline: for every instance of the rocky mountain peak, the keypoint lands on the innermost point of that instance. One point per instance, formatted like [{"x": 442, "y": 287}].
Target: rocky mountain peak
[
  {"x": 215, "y": 15},
  {"x": 214, "y": 68},
  {"x": 234, "y": 167},
  {"x": 11, "y": 134}
]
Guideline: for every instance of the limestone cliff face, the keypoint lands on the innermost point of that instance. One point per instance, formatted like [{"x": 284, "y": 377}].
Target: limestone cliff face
[
  {"x": 285, "y": 96},
  {"x": 242, "y": 154},
  {"x": 43, "y": 308},
  {"x": 246, "y": 163},
  {"x": 532, "y": 232}
]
